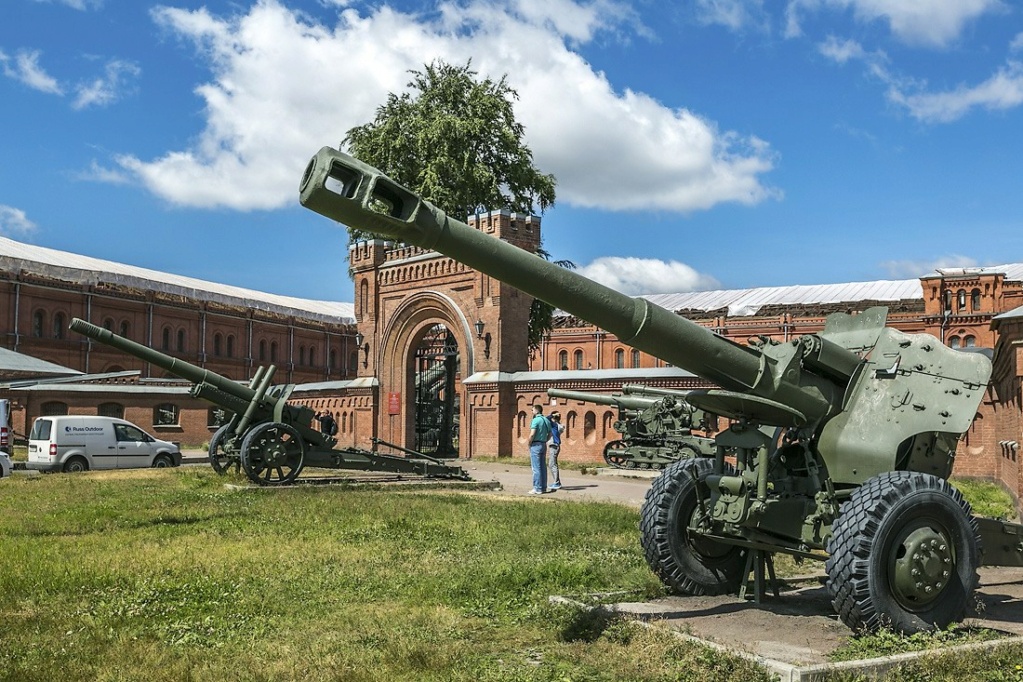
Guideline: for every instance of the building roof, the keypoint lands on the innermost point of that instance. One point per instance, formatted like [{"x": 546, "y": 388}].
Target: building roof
[
  {"x": 69, "y": 267},
  {"x": 13, "y": 363},
  {"x": 743, "y": 302}
]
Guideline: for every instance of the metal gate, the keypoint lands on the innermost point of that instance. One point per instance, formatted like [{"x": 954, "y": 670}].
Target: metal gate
[{"x": 437, "y": 403}]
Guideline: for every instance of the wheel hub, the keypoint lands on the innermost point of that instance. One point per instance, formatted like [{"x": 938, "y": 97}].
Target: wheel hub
[{"x": 923, "y": 567}]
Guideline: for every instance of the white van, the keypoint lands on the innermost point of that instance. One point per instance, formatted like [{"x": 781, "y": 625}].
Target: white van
[
  {"x": 70, "y": 443},
  {"x": 5, "y": 425}
]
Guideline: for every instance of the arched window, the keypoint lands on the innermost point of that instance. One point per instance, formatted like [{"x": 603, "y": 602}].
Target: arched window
[
  {"x": 58, "y": 325},
  {"x": 353, "y": 361},
  {"x": 619, "y": 359},
  {"x": 166, "y": 338},
  {"x": 273, "y": 351},
  {"x": 578, "y": 358},
  {"x": 563, "y": 360},
  {"x": 947, "y": 299},
  {"x": 590, "y": 428},
  {"x": 181, "y": 340},
  {"x": 301, "y": 355},
  {"x": 38, "y": 324},
  {"x": 363, "y": 297},
  {"x": 262, "y": 350},
  {"x": 217, "y": 343},
  {"x": 125, "y": 328},
  {"x": 108, "y": 324},
  {"x": 953, "y": 342},
  {"x": 975, "y": 300},
  {"x": 230, "y": 345},
  {"x": 961, "y": 299},
  {"x": 333, "y": 359},
  {"x": 115, "y": 410},
  {"x": 635, "y": 358},
  {"x": 969, "y": 341},
  {"x": 52, "y": 408},
  {"x": 312, "y": 356},
  {"x": 165, "y": 414}
]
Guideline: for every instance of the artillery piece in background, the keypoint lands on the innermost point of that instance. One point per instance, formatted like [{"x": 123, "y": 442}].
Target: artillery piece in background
[
  {"x": 656, "y": 430},
  {"x": 266, "y": 436},
  {"x": 869, "y": 420}
]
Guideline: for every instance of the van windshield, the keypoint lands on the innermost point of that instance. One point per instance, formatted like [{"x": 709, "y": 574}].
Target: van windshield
[{"x": 41, "y": 430}]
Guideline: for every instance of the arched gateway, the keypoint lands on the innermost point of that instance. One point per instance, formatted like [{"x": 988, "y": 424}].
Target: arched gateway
[{"x": 439, "y": 341}]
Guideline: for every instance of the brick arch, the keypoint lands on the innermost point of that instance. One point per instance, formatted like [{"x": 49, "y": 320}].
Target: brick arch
[{"x": 401, "y": 334}]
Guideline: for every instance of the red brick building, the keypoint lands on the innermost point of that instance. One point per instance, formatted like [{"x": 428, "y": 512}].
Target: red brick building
[{"x": 438, "y": 361}]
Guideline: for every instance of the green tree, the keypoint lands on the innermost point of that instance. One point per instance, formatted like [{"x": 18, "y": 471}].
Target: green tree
[{"x": 453, "y": 139}]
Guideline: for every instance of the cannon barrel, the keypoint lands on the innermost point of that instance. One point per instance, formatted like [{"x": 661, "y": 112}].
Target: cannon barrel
[
  {"x": 179, "y": 368},
  {"x": 351, "y": 192},
  {"x": 649, "y": 391},
  {"x": 624, "y": 402}
]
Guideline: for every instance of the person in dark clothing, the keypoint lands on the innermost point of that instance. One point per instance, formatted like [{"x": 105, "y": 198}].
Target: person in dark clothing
[{"x": 327, "y": 424}]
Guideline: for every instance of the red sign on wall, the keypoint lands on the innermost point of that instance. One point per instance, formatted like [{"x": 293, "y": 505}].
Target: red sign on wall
[{"x": 394, "y": 403}]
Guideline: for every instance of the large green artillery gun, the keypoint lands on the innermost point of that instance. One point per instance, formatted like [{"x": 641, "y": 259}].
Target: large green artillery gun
[
  {"x": 266, "y": 436},
  {"x": 867, "y": 421},
  {"x": 655, "y": 430}
]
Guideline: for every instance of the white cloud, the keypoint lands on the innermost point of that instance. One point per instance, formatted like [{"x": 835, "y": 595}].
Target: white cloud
[
  {"x": 1003, "y": 90},
  {"x": 284, "y": 86},
  {"x": 14, "y": 222},
  {"x": 24, "y": 67},
  {"x": 934, "y": 23},
  {"x": 841, "y": 51},
  {"x": 1016, "y": 44},
  {"x": 117, "y": 75},
  {"x": 732, "y": 14},
  {"x": 636, "y": 276},
  {"x": 77, "y": 4},
  {"x": 100, "y": 173},
  {"x": 905, "y": 269}
]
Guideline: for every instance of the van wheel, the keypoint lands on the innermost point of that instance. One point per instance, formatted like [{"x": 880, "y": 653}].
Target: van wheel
[
  {"x": 75, "y": 465},
  {"x": 162, "y": 462}
]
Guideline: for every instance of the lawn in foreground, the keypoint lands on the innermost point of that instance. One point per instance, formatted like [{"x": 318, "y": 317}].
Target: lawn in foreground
[{"x": 168, "y": 575}]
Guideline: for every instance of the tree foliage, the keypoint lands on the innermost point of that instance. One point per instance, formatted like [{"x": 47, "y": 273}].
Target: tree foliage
[{"x": 453, "y": 139}]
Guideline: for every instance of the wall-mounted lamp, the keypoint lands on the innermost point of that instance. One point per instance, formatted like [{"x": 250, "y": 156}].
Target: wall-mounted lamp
[
  {"x": 479, "y": 325},
  {"x": 359, "y": 338}
]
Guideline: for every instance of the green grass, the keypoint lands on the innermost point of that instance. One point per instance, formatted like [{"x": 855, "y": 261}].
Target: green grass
[
  {"x": 987, "y": 499},
  {"x": 168, "y": 575}
]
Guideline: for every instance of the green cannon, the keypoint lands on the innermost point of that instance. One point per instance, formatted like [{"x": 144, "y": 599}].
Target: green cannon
[
  {"x": 266, "y": 436},
  {"x": 839, "y": 447},
  {"x": 700, "y": 420},
  {"x": 655, "y": 430}
]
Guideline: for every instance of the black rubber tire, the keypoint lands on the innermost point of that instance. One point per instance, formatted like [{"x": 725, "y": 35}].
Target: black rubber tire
[
  {"x": 76, "y": 465},
  {"x": 272, "y": 453},
  {"x": 162, "y": 462},
  {"x": 686, "y": 565},
  {"x": 218, "y": 460},
  {"x": 876, "y": 539}
]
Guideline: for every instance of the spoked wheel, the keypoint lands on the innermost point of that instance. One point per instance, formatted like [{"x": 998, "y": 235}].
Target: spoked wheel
[
  {"x": 219, "y": 459},
  {"x": 685, "y": 562},
  {"x": 614, "y": 454},
  {"x": 272, "y": 454},
  {"x": 904, "y": 554}
]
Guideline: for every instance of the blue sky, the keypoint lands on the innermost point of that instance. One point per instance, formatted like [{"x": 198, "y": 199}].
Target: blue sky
[{"x": 702, "y": 144}]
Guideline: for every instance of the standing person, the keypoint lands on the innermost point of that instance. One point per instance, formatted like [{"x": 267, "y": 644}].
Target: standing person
[
  {"x": 554, "y": 448},
  {"x": 327, "y": 423},
  {"x": 539, "y": 433}
]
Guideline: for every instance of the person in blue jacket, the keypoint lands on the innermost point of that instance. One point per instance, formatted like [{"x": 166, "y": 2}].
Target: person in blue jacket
[{"x": 554, "y": 449}]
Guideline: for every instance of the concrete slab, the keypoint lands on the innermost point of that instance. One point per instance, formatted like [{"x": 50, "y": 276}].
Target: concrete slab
[{"x": 794, "y": 634}]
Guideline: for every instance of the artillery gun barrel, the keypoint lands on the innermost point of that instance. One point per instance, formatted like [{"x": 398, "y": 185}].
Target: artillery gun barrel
[
  {"x": 179, "y": 368},
  {"x": 641, "y": 390},
  {"x": 344, "y": 189},
  {"x": 621, "y": 401}
]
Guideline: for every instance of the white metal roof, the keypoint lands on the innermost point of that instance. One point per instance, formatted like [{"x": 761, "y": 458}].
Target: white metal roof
[
  {"x": 14, "y": 362},
  {"x": 72, "y": 267}
]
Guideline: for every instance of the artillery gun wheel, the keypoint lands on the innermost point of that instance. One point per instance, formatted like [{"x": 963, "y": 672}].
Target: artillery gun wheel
[
  {"x": 272, "y": 454},
  {"x": 686, "y": 563},
  {"x": 614, "y": 454},
  {"x": 904, "y": 554},
  {"x": 219, "y": 460}
]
